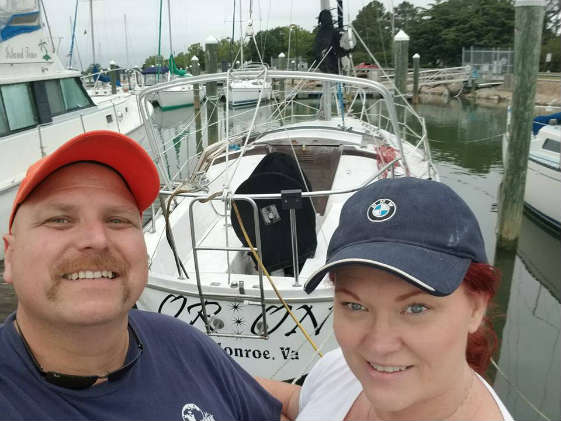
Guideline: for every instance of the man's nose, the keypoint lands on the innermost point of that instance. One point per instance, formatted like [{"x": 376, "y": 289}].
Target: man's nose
[{"x": 92, "y": 234}]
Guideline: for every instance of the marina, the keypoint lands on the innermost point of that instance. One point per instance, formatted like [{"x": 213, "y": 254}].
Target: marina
[
  {"x": 253, "y": 178},
  {"x": 529, "y": 304}
]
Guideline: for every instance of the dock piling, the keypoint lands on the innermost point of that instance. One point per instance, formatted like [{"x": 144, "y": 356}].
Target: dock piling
[
  {"x": 401, "y": 54},
  {"x": 211, "y": 50},
  {"x": 527, "y": 40},
  {"x": 196, "y": 71},
  {"x": 416, "y": 59}
]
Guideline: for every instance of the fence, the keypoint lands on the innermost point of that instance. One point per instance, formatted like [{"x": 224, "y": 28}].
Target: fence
[{"x": 491, "y": 64}]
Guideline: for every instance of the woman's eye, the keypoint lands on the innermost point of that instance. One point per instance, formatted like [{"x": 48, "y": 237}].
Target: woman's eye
[
  {"x": 416, "y": 308},
  {"x": 354, "y": 306}
]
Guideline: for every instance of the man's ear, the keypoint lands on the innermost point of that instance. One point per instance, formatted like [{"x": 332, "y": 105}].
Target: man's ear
[
  {"x": 8, "y": 249},
  {"x": 478, "y": 309}
]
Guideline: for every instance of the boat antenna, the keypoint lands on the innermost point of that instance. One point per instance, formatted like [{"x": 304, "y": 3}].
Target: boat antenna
[
  {"x": 48, "y": 26},
  {"x": 73, "y": 36},
  {"x": 92, "y": 31}
]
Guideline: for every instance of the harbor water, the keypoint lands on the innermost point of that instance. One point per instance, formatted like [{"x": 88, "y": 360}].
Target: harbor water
[{"x": 465, "y": 142}]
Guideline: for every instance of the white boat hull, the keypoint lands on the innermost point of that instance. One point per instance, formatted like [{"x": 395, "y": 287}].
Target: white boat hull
[
  {"x": 543, "y": 176},
  {"x": 177, "y": 97},
  {"x": 20, "y": 150},
  {"x": 246, "y": 95},
  {"x": 543, "y": 191}
]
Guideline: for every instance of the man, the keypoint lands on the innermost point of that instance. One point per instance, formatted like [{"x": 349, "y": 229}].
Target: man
[{"x": 76, "y": 256}]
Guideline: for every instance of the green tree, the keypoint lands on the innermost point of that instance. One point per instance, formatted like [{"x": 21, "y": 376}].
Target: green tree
[
  {"x": 551, "y": 39},
  {"x": 441, "y": 31},
  {"x": 153, "y": 61},
  {"x": 373, "y": 23}
]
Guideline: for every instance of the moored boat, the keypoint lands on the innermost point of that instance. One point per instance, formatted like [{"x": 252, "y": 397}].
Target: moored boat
[
  {"x": 43, "y": 104},
  {"x": 543, "y": 177},
  {"x": 251, "y": 218}
]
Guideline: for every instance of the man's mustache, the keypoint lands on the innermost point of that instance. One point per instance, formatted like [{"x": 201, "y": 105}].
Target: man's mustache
[{"x": 91, "y": 261}]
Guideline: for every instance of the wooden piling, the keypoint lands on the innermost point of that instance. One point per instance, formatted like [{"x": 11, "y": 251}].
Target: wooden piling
[
  {"x": 401, "y": 54},
  {"x": 416, "y": 59},
  {"x": 282, "y": 66},
  {"x": 196, "y": 71},
  {"x": 528, "y": 27},
  {"x": 113, "y": 76},
  {"x": 211, "y": 51}
]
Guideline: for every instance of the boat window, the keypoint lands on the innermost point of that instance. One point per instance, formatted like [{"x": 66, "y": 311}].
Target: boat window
[
  {"x": 551, "y": 145},
  {"x": 74, "y": 95},
  {"x": 4, "y": 128},
  {"x": 54, "y": 95},
  {"x": 18, "y": 103}
]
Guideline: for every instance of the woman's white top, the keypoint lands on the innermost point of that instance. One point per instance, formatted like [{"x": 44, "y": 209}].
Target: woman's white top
[{"x": 331, "y": 388}]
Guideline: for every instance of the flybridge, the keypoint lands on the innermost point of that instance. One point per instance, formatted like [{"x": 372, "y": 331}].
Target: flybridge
[{"x": 19, "y": 18}]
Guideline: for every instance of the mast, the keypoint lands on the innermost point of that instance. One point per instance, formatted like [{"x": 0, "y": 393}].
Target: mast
[
  {"x": 92, "y": 32},
  {"x": 126, "y": 40},
  {"x": 241, "y": 36},
  {"x": 169, "y": 24}
]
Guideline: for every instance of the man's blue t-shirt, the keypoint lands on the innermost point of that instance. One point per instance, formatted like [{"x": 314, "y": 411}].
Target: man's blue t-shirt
[{"x": 180, "y": 375}]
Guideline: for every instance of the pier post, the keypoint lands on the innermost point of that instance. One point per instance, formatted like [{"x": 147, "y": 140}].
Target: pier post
[
  {"x": 416, "y": 59},
  {"x": 401, "y": 54},
  {"x": 282, "y": 66},
  {"x": 211, "y": 50},
  {"x": 196, "y": 71},
  {"x": 113, "y": 73},
  {"x": 528, "y": 22}
]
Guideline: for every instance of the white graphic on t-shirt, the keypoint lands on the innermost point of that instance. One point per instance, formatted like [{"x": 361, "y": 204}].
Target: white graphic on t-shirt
[{"x": 192, "y": 412}]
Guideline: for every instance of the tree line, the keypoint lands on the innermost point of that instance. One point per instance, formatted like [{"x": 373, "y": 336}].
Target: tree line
[{"x": 438, "y": 33}]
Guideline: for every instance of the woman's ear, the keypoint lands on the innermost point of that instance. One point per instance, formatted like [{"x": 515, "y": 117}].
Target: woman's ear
[{"x": 479, "y": 303}]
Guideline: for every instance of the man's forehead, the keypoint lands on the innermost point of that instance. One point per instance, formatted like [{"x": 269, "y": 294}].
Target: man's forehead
[{"x": 81, "y": 175}]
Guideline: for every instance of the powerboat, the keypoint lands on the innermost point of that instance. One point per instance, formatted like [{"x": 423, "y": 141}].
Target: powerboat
[
  {"x": 248, "y": 220},
  {"x": 543, "y": 177},
  {"x": 43, "y": 104}
]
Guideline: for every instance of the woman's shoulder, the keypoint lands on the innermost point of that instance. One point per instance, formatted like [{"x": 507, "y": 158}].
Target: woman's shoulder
[
  {"x": 329, "y": 389},
  {"x": 490, "y": 406}
]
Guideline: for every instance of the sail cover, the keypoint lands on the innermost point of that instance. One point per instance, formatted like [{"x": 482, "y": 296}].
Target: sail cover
[
  {"x": 276, "y": 172},
  {"x": 18, "y": 17}
]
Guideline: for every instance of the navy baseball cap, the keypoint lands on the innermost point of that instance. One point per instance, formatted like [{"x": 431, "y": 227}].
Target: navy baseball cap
[{"x": 420, "y": 230}]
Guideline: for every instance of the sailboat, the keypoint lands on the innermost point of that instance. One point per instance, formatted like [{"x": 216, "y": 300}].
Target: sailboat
[
  {"x": 43, "y": 104},
  {"x": 177, "y": 96},
  {"x": 245, "y": 226}
]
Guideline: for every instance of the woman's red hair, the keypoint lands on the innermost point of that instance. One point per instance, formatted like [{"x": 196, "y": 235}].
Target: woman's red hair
[{"x": 483, "y": 279}]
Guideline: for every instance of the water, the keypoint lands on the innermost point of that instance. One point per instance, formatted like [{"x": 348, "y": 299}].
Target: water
[{"x": 466, "y": 146}]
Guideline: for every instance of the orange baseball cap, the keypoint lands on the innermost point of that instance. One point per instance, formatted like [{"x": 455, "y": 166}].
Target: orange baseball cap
[{"x": 113, "y": 149}]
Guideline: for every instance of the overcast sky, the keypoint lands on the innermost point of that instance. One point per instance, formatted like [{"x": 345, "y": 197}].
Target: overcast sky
[{"x": 192, "y": 21}]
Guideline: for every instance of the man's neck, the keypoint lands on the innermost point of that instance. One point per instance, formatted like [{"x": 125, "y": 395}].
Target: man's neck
[{"x": 78, "y": 350}]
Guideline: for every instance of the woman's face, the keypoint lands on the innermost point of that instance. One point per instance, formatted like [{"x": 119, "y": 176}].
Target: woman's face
[{"x": 406, "y": 347}]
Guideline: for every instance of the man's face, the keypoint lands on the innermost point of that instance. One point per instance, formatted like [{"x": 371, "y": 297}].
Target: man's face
[{"x": 76, "y": 254}]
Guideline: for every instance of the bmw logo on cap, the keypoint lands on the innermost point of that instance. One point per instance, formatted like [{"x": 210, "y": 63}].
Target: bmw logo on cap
[{"x": 381, "y": 210}]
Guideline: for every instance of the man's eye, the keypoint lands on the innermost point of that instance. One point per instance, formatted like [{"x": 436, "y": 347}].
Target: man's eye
[
  {"x": 416, "y": 308},
  {"x": 354, "y": 306},
  {"x": 59, "y": 220},
  {"x": 117, "y": 220}
]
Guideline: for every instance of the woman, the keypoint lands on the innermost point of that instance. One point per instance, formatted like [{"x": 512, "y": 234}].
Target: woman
[{"x": 412, "y": 287}]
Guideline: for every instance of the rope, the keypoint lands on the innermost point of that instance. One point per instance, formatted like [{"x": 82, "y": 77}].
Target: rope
[
  {"x": 530, "y": 404},
  {"x": 262, "y": 267},
  {"x": 473, "y": 140}
]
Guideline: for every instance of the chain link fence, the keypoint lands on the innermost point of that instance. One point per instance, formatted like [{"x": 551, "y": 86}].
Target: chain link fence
[{"x": 489, "y": 64}]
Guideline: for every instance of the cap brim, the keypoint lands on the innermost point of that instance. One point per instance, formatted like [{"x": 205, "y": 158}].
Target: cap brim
[
  {"x": 435, "y": 272},
  {"x": 113, "y": 149}
]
